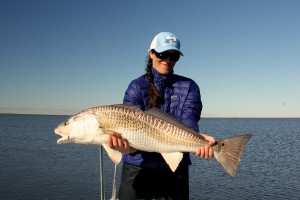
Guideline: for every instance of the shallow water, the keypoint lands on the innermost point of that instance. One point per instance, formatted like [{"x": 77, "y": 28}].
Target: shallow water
[{"x": 33, "y": 166}]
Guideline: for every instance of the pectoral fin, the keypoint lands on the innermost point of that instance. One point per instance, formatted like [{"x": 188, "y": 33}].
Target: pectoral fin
[
  {"x": 109, "y": 132},
  {"x": 173, "y": 159},
  {"x": 114, "y": 155}
]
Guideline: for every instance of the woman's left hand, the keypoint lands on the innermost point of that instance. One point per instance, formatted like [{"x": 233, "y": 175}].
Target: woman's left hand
[{"x": 206, "y": 150}]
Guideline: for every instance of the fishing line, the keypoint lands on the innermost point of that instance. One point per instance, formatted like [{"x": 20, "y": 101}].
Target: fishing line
[
  {"x": 102, "y": 193},
  {"x": 114, "y": 189}
]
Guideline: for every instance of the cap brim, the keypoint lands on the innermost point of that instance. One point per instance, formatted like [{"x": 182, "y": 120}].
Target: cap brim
[{"x": 162, "y": 49}]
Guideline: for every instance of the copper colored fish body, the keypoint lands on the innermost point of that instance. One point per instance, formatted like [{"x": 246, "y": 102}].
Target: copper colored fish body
[{"x": 152, "y": 131}]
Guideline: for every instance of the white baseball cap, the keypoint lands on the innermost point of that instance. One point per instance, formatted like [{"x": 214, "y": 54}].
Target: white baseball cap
[{"x": 165, "y": 41}]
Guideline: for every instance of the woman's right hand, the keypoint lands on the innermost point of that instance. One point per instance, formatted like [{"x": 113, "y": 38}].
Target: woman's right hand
[
  {"x": 117, "y": 142},
  {"x": 206, "y": 150}
]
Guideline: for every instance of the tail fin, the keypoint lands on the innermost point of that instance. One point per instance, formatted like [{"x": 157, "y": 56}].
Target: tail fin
[{"x": 229, "y": 151}]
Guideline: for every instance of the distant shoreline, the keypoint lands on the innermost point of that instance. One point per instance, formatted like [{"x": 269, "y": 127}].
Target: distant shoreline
[
  {"x": 200, "y": 120},
  {"x": 35, "y": 114}
]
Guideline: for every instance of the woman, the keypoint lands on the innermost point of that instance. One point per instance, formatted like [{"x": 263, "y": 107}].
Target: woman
[{"x": 146, "y": 175}]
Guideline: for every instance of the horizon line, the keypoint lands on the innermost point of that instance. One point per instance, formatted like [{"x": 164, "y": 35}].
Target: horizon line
[{"x": 220, "y": 117}]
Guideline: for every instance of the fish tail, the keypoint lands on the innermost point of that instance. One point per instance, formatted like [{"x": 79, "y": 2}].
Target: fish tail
[{"x": 228, "y": 152}]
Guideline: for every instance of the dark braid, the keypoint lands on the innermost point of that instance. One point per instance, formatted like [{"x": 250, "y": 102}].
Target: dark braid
[{"x": 155, "y": 98}]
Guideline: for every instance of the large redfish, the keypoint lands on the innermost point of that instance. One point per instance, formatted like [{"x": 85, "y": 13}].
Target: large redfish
[{"x": 152, "y": 131}]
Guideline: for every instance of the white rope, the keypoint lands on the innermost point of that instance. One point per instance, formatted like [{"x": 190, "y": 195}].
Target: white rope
[
  {"x": 114, "y": 189},
  {"x": 102, "y": 192}
]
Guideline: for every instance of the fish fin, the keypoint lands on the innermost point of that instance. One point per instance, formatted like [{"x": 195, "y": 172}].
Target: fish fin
[
  {"x": 109, "y": 132},
  {"x": 63, "y": 141},
  {"x": 128, "y": 106},
  {"x": 173, "y": 159},
  {"x": 114, "y": 155},
  {"x": 229, "y": 151}
]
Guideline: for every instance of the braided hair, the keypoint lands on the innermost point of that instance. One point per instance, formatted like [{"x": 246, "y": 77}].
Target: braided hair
[{"x": 155, "y": 97}]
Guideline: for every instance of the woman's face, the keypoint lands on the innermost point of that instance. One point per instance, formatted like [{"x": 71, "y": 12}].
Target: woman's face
[{"x": 163, "y": 66}]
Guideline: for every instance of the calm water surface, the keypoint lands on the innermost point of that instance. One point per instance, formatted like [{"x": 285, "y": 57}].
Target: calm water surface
[{"x": 33, "y": 166}]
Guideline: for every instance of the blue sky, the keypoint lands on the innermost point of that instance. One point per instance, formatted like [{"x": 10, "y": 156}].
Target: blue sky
[{"x": 63, "y": 56}]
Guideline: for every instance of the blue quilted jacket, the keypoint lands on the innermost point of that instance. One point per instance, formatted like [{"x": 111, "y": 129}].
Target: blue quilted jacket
[{"x": 182, "y": 100}]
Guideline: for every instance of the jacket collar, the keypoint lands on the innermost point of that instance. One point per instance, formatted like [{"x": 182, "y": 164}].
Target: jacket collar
[{"x": 157, "y": 77}]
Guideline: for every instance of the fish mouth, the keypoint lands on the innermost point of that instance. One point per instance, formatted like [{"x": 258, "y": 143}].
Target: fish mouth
[
  {"x": 64, "y": 137},
  {"x": 56, "y": 131}
]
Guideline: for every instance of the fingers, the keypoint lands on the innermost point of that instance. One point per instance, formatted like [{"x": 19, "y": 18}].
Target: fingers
[
  {"x": 210, "y": 152},
  {"x": 210, "y": 139},
  {"x": 109, "y": 141},
  {"x": 204, "y": 152},
  {"x": 118, "y": 143}
]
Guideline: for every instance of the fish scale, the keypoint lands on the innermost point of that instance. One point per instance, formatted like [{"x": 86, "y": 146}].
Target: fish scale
[
  {"x": 160, "y": 134},
  {"x": 152, "y": 131}
]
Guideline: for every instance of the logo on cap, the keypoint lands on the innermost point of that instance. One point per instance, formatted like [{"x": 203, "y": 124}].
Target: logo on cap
[{"x": 170, "y": 39}]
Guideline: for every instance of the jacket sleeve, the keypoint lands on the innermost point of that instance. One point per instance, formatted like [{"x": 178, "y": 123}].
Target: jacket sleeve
[
  {"x": 192, "y": 107},
  {"x": 133, "y": 95}
]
